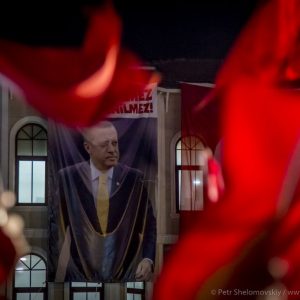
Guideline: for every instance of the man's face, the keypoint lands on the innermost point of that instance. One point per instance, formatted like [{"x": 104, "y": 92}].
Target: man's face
[{"x": 102, "y": 146}]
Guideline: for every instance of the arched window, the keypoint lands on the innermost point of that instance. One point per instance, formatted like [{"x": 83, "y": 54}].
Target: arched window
[
  {"x": 30, "y": 278},
  {"x": 189, "y": 173},
  {"x": 31, "y": 164}
]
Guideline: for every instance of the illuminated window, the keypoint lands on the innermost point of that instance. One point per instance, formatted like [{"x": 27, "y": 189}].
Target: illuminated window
[
  {"x": 189, "y": 174},
  {"x": 135, "y": 291},
  {"x": 30, "y": 278},
  {"x": 86, "y": 291},
  {"x": 31, "y": 164}
]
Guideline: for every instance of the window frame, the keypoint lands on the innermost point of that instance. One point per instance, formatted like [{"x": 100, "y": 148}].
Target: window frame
[
  {"x": 182, "y": 167},
  {"x": 136, "y": 291},
  {"x": 32, "y": 158},
  {"x": 86, "y": 289},
  {"x": 43, "y": 290}
]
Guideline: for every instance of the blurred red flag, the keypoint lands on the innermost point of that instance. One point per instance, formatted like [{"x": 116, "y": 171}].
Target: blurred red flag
[
  {"x": 258, "y": 218},
  {"x": 199, "y": 115},
  {"x": 76, "y": 86},
  {"x": 7, "y": 255}
]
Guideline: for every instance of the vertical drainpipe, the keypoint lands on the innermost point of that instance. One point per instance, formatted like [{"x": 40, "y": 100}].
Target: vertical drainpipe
[{"x": 4, "y": 136}]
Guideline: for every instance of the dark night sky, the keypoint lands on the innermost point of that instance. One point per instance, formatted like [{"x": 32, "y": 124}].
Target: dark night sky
[
  {"x": 184, "y": 29},
  {"x": 155, "y": 30}
]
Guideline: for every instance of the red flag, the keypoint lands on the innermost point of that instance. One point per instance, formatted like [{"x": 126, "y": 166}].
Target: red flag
[
  {"x": 76, "y": 86},
  {"x": 199, "y": 115},
  {"x": 8, "y": 256},
  {"x": 260, "y": 210},
  {"x": 200, "y": 119}
]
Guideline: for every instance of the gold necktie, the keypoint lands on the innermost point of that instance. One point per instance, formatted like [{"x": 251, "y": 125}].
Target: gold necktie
[{"x": 103, "y": 202}]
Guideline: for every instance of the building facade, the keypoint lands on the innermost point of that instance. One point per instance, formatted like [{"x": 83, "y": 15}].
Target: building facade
[{"x": 24, "y": 166}]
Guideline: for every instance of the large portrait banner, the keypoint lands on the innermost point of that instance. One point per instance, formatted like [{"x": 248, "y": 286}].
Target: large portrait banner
[{"x": 102, "y": 225}]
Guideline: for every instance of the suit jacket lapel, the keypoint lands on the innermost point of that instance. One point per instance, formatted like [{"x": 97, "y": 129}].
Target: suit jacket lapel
[
  {"x": 85, "y": 194},
  {"x": 118, "y": 176},
  {"x": 117, "y": 202}
]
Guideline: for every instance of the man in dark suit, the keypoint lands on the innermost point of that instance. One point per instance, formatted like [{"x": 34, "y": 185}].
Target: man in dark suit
[{"x": 107, "y": 217}]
